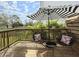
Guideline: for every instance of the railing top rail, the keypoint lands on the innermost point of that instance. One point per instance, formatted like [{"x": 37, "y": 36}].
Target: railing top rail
[{"x": 16, "y": 29}]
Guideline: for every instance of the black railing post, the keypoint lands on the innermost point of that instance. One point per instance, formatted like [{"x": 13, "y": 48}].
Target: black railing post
[
  {"x": 15, "y": 32},
  {"x": 53, "y": 34},
  {"x": 7, "y": 39},
  {"x": 3, "y": 36}
]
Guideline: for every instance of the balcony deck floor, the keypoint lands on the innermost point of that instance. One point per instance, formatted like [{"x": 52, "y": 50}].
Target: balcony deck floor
[{"x": 32, "y": 49}]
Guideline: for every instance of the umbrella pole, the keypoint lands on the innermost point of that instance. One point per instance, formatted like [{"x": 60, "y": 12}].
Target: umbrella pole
[{"x": 48, "y": 26}]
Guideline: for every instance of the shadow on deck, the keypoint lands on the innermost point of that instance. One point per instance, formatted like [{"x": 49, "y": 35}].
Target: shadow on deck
[{"x": 32, "y": 49}]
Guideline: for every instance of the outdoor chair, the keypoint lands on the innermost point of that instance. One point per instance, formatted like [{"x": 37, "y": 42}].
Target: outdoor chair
[
  {"x": 42, "y": 35},
  {"x": 58, "y": 40},
  {"x": 72, "y": 41},
  {"x": 35, "y": 33}
]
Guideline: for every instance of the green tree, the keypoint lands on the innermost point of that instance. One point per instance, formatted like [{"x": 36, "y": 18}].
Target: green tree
[
  {"x": 4, "y": 20},
  {"x": 29, "y": 23},
  {"x": 37, "y": 25},
  {"x": 17, "y": 24},
  {"x": 55, "y": 24},
  {"x": 15, "y": 21}
]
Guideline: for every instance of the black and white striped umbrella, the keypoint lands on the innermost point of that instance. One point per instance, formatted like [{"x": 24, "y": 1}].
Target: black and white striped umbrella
[
  {"x": 54, "y": 13},
  {"x": 59, "y": 12}
]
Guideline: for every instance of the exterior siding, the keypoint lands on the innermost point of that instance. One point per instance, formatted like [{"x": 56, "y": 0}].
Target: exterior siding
[{"x": 73, "y": 24}]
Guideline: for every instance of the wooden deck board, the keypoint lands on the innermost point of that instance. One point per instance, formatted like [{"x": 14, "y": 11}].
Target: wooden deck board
[{"x": 32, "y": 49}]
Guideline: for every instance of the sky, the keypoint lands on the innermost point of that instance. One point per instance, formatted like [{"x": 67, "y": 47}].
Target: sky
[
  {"x": 58, "y": 3},
  {"x": 24, "y": 8},
  {"x": 19, "y": 8}
]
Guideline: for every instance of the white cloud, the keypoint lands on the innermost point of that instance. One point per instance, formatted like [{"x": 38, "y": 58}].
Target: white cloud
[
  {"x": 10, "y": 7},
  {"x": 32, "y": 1},
  {"x": 14, "y": 6},
  {"x": 14, "y": 10}
]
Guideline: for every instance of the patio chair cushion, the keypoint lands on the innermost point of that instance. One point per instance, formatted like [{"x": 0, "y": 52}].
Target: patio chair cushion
[
  {"x": 37, "y": 37},
  {"x": 66, "y": 39},
  {"x": 42, "y": 35},
  {"x": 73, "y": 39}
]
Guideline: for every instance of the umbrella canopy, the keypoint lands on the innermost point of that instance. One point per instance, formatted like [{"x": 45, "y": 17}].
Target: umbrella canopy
[{"x": 55, "y": 13}]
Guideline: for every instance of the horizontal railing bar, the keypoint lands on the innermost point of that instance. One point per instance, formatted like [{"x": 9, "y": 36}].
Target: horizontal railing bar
[{"x": 8, "y": 30}]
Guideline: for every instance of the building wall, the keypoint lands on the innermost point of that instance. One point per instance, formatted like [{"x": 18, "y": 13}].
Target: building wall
[{"x": 73, "y": 24}]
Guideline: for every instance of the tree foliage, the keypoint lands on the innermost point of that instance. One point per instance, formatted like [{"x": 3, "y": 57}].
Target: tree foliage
[
  {"x": 9, "y": 21},
  {"x": 15, "y": 21},
  {"x": 4, "y": 20},
  {"x": 37, "y": 25},
  {"x": 55, "y": 24},
  {"x": 41, "y": 25},
  {"x": 16, "y": 24}
]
